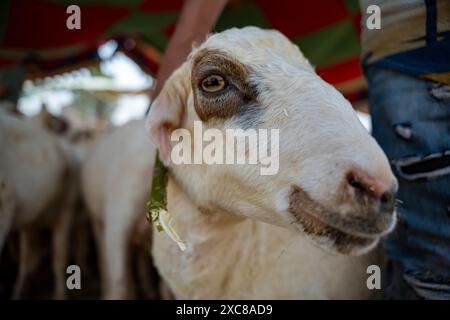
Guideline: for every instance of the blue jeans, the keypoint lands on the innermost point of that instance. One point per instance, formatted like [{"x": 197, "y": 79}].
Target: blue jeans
[{"x": 411, "y": 122}]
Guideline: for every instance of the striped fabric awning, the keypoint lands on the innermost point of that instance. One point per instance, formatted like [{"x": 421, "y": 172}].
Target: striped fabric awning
[{"x": 35, "y": 30}]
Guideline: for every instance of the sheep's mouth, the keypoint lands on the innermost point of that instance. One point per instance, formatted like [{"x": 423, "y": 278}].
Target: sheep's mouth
[{"x": 330, "y": 237}]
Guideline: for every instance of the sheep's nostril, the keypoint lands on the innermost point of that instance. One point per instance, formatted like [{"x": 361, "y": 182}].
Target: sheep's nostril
[
  {"x": 358, "y": 186},
  {"x": 387, "y": 201},
  {"x": 361, "y": 187},
  {"x": 368, "y": 190}
]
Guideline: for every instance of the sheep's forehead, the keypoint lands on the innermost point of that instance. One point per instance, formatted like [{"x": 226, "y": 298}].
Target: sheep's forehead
[{"x": 255, "y": 47}]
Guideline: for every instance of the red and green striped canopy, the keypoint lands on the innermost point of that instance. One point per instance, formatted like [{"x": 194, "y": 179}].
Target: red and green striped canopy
[{"x": 326, "y": 30}]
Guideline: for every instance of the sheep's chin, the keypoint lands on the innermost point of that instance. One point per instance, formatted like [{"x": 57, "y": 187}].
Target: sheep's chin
[{"x": 332, "y": 239}]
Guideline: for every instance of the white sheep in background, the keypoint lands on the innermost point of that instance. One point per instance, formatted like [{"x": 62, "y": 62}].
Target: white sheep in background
[
  {"x": 302, "y": 233},
  {"x": 36, "y": 192},
  {"x": 116, "y": 180}
]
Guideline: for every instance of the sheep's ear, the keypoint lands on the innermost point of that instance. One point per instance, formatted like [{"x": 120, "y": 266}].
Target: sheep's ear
[{"x": 164, "y": 117}]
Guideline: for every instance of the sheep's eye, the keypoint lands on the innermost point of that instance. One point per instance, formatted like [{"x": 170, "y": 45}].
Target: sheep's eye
[{"x": 213, "y": 83}]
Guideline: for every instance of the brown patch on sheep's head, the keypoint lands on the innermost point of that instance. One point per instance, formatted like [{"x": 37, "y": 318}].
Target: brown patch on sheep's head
[{"x": 220, "y": 85}]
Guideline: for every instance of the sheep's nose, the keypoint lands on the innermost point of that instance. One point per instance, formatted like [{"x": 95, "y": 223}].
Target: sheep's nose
[{"x": 375, "y": 190}]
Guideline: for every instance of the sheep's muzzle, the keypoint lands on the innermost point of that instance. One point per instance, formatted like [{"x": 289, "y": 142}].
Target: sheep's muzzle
[{"x": 346, "y": 234}]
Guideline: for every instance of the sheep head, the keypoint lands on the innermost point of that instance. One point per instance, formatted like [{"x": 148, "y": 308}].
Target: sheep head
[{"x": 334, "y": 183}]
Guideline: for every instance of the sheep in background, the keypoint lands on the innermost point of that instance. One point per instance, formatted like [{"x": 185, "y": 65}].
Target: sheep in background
[
  {"x": 116, "y": 182},
  {"x": 37, "y": 192}
]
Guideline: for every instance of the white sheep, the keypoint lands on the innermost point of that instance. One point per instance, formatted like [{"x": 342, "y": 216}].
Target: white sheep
[
  {"x": 116, "y": 180},
  {"x": 302, "y": 233},
  {"x": 37, "y": 191}
]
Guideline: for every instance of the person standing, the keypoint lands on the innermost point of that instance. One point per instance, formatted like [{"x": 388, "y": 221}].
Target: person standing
[{"x": 407, "y": 66}]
